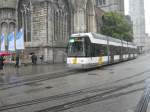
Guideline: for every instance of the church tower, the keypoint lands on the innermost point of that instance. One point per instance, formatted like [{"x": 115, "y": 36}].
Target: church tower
[{"x": 136, "y": 11}]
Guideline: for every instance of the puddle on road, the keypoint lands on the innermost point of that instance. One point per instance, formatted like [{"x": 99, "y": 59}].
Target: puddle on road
[
  {"x": 7, "y": 79},
  {"x": 48, "y": 87},
  {"x": 128, "y": 69},
  {"x": 92, "y": 74},
  {"x": 34, "y": 84},
  {"x": 112, "y": 72},
  {"x": 38, "y": 89}
]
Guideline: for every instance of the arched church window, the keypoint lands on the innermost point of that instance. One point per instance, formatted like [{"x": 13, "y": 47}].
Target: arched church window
[
  {"x": 24, "y": 19},
  {"x": 11, "y": 27},
  {"x": 4, "y": 28},
  {"x": 56, "y": 25}
]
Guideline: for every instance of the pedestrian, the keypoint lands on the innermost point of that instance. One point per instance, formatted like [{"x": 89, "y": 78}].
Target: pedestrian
[
  {"x": 32, "y": 58},
  {"x": 17, "y": 61},
  {"x": 35, "y": 59},
  {"x": 42, "y": 58},
  {"x": 1, "y": 64}
]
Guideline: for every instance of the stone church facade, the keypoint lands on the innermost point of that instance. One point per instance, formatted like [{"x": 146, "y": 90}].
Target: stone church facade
[
  {"x": 111, "y": 5},
  {"x": 48, "y": 23}
]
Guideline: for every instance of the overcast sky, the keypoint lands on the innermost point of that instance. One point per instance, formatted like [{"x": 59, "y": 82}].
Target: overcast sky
[{"x": 147, "y": 13}]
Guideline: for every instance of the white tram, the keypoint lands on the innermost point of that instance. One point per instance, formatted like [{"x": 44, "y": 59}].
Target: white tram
[{"x": 87, "y": 50}]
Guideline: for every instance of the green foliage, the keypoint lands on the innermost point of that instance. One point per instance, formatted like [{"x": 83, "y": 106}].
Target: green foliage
[{"x": 115, "y": 25}]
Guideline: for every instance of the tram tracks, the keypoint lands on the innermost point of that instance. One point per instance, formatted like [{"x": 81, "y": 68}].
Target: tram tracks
[
  {"x": 100, "y": 95},
  {"x": 144, "y": 101},
  {"x": 86, "y": 101},
  {"x": 96, "y": 98}
]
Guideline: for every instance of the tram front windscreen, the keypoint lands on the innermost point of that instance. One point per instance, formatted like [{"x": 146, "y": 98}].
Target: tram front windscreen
[{"x": 76, "y": 47}]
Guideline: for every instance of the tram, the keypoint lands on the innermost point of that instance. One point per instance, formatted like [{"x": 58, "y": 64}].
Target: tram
[{"x": 88, "y": 50}]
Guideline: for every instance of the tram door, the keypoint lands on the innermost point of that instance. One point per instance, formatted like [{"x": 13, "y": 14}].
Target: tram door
[
  {"x": 121, "y": 53},
  {"x": 111, "y": 54},
  {"x": 89, "y": 51}
]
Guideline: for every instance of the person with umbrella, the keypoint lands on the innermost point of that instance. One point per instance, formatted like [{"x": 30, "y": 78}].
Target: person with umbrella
[
  {"x": 1, "y": 64},
  {"x": 2, "y": 54},
  {"x": 17, "y": 61}
]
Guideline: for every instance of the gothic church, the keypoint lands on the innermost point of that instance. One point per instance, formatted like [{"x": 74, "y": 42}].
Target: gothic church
[{"x": 48, "y": 24}]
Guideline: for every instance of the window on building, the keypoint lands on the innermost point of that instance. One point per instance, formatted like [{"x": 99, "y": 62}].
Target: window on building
[
  {"x": 24, "y": 19},
  {"x": 100, "y": 2}
]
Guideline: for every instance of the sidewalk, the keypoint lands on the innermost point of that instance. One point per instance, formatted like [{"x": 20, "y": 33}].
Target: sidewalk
[{"x": 33, "y": 69}]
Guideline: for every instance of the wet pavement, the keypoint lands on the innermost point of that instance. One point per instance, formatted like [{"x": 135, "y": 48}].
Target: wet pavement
[
  {"x": 12, "y": 74},
  {"x": 55, "y": 88}
]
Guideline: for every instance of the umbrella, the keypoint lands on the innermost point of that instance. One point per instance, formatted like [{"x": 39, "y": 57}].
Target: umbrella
[
  {"x": 5, "y": 53},
  {"x": 32, "y": 53}
]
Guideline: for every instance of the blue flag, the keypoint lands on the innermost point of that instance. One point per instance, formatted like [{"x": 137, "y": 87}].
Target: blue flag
[
  {"x": 2, "y": 42},
  {"x": 11, "y": 42},
  {"x": 20, "y": 40}
]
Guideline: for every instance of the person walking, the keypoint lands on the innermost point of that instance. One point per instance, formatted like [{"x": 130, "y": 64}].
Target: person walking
[
  {"x": 42, "y": 58},
  {"x": 32, "y": 58},
  {"x": 35, "y": 59},
  {"x": 1, "y": 64},
  {"x": 17, "y": 61}
]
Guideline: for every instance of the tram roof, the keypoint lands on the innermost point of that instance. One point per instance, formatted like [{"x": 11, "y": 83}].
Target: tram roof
[
  {"x": 112, "y": 41},
  {"x": 102, "y": 39},
  {"x": 95, "y": 38}
]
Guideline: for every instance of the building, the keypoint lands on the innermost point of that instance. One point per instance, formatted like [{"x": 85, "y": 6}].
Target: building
[
  {"x": 111, "y": 5},
  {"x": 136, "y": 11},
  {"x": 147, "y": 43},
  {"x": 48, "y": 24}
]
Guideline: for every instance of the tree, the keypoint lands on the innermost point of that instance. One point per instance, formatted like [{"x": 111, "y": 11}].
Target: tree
[{"x": 117, "y": 26}]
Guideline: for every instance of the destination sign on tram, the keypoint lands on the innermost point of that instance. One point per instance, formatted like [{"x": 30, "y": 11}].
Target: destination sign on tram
[{"x": 72, "y": 40}]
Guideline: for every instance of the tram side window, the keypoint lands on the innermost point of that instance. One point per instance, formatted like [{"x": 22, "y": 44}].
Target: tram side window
[
  {"x": 115, "y": 50},
  {"x": 101, "y": 50},
  {"x": 131, "y": 50},
  {"x": 124, "y": 50},
  {"x": 105, "y": 50},
  {"x": 127, "y": 50},
  {"x": 96, "y": 50},
  {"x": 135, "y": 51},
  {"x": 112, "y": 52},
  {"x": 119, "y": 50}
]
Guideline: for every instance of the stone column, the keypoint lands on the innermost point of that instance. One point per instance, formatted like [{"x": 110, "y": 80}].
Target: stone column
[
  {"x": 90, "y": 16},
  {"x": 79, "y": 11}
]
